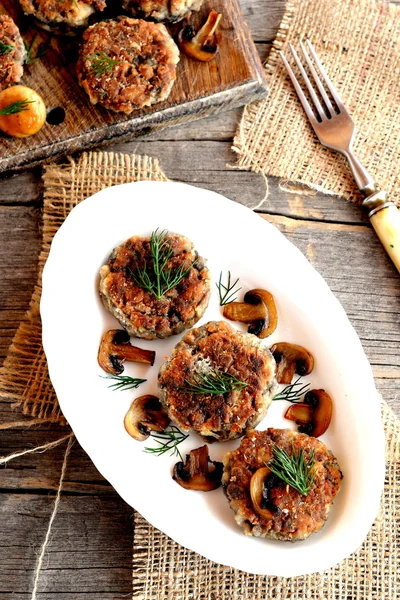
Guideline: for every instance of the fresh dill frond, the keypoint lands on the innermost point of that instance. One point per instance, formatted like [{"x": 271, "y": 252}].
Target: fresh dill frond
[
  {"x": 40, "y": 51},
  {"x": 16, "y": 107},
  {"x": 168, "y": 441},
  {"x": 293, "y": 392},
  {"x": 124, "y": 382},
  {"x": 227, "y": 293},
  {"x": 5, "y": 48},
  {"x": 294, "y": 469},
  {"x": 101, "y": 63},
  {"x": 157, "y": 278},
  {"x": 212, "y": 383}
]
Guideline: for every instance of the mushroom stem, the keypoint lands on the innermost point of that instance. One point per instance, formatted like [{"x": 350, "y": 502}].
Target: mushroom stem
[
  {"x": 132, "y": 353},
  {"x": 209, "y": 28},
  {"x": 115, "y": 348},
  {"x": 202, "y": 46},
  {"x": 195, "y": 475}
]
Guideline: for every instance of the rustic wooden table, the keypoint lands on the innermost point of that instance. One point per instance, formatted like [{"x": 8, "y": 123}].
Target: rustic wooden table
[{"x": 91, "y": 546}]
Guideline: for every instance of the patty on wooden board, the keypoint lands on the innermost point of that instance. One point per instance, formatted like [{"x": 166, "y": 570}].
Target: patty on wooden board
[
  {"x": 161, "y": 10},
  {"x": 62, "y": 16},
  {"x": 126, "y": 64},
  {"x": 218, "y": 348},
  {"x": 294, "y": 516},
  {"x": 12, "y": 53}
]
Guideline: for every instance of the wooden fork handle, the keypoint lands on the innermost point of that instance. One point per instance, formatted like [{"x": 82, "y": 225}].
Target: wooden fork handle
[
  {"x": 386, "y": 223},
  {"x": 385, "y": 219}
]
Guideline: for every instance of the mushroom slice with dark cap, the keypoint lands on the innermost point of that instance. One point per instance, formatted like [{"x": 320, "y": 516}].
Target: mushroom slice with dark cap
[
  {"x": 291, "y": 359},
  {"x": 314, "y": 414},
  {"x": 258, "y": 309},
  {"x": 115, "y": 348},
  {"x": 245, "y": 313},
  {"x": 203, "y": 44},
  {"x": 146, "y": 414},
  {"x": 194, "y": 474},
  {"x": 263, "y": 327},
  {"x": 259, "y": 487}
]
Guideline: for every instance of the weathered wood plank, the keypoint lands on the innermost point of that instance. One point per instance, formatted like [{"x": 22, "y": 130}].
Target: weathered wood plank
[
  {"x": 193, "y": 162},
  {"x": 89, "y": 552},
  {"x": 42, "y": 470}
]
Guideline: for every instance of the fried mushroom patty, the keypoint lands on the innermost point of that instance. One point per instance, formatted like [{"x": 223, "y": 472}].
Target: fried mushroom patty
[
  {"x": 217, "y": 347},
  {"x": 12, "y": 53},
  {"x": 61, "y": 16},
  {"x": 161, "y": 10},
  {"x": 139, "y": 311},
  {"x": 126, "y": 64},
  {"x": 294, "y": 516}
]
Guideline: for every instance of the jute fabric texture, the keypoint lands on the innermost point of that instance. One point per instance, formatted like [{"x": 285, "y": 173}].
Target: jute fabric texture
[
  {"x": 162, "y": 569},
  {"x": 358, "y": 43}
]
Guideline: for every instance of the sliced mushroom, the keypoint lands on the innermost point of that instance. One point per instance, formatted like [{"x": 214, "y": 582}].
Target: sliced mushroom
[
  {"x": 322, "y": 410},
  {"x": 145, "y": 414},
  {"x": 314, "y": 414},
  {"x": 203, "y": 44},
  {"x": 300, "y": 413},
  {"x": 259, "y": 488},
  {"x": 263, "y": 327},
  {"x": 245, "y": 313},
  {"x": 195, "y": 474},
  {"x": 291, "y": 359},
  {"x": 115, "y": 348}
]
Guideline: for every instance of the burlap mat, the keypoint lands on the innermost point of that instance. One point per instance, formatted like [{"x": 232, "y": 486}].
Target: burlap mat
[
  {"x": 163, "y": 570},
  {"x": 24, "y": 377},
  {"x": 358, "y": 42}
]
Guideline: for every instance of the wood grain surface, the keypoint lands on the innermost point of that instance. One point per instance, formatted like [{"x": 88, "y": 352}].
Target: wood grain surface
[
  {"x": 90, "y": 552},
  {"x": 232, "y": 79}
]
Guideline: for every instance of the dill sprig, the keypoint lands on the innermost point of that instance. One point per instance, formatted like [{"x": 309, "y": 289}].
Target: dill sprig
[
  {"x": 101, "y": 63},
  {"x": 124, "y": 382},
  {"x": 16, "y": 107},
  {"x": 294, "y": 469},
  {"x": 5, "y": 48},
  {"x": 41, "y": 50},
  {"x": 158, "y": 278},
  {"x": 293, "y": 392},
  {"x": 227, "y": 293},
  {"x": 168, "y": 441},
  {"x": 212, "y": 383}
]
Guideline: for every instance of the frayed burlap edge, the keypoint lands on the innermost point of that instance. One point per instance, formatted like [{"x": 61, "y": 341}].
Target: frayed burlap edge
[
  {"x": 24, "y": 379},
  {"x": 357, "y": 42},
  {"x": 164, "y": 570}
]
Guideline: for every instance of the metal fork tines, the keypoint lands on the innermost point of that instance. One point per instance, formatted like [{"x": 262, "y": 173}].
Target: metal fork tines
[
  {"x": 335, "y": 129},
  {"x": 332, "y": 124}
]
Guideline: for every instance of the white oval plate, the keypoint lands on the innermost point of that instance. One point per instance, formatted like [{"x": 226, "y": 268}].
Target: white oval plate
[{"x": 232, "y": 238}]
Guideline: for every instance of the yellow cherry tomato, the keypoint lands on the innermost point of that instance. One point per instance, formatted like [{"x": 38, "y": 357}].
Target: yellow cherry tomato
[{"x": 27, "y": 121}]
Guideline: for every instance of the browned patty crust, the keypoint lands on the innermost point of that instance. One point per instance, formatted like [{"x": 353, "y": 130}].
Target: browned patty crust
[
  {"x": 216, "y": 346},
  {"x": 12, "y": 54},
  {"x": 161, "y": 10},
  {"x": 296, "y": 516},
  {"x": 73, "y": 13},
  {"x": 137, "y": 63},
  {"x": 138, "y": 310}
]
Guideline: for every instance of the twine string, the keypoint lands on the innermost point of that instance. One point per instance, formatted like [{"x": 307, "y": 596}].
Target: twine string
[
  {"x": 53, "y": 516},
  {"x": 5, "y": 459}
]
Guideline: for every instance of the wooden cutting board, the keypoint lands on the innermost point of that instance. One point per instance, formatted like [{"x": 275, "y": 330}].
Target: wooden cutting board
[{"x": 233, "y": 78}]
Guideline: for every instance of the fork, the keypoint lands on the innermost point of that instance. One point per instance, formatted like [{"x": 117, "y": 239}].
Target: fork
[{"x": 335, "y": 129}]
